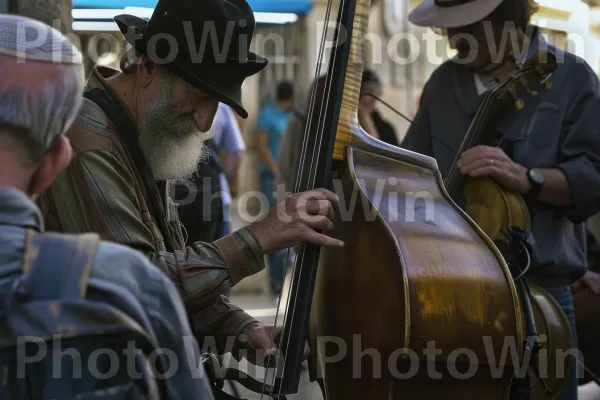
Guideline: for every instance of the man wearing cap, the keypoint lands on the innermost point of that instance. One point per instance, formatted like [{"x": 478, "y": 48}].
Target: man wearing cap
[
  {"x": 41, "y": 85},
  {"x": 549, "y": 152},
  {"x": 144, "y": 126}
]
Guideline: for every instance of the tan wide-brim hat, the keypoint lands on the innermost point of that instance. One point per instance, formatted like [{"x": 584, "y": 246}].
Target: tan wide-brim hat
[{"x": 451, "y": 13}]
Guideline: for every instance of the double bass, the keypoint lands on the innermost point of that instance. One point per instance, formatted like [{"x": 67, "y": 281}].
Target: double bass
[{"x": 420, "y": 303}]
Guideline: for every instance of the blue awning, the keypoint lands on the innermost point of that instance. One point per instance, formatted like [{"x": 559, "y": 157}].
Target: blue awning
[{"x": 265, "y": 6}]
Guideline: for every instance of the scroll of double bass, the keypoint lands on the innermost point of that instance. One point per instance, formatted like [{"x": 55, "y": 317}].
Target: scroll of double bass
[{"x": 420, "y": 303}]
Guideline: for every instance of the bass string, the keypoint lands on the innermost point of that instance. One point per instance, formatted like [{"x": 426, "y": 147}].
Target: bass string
[
  {"x": 300, "y": 171},
  {"x": 310, "y": 115},
  {"x": 454, "y": 176},
  {"x": 301, "y": 178},
  {"x": 481, "y": 118},
  {"x": 314, "y": 164},
  {"x": 479, "y": 121},
  {"x": 476, "y": 129},
  {"x": 479, "y": 128}
]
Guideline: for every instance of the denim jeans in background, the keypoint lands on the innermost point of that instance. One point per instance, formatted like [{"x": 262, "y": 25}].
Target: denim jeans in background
[
  {"x": 564, "y": 297},
  {"x": 277, "y": 260}
]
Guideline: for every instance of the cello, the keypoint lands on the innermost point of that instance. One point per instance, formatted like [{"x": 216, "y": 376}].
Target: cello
[{"x": 417, "y": 275}]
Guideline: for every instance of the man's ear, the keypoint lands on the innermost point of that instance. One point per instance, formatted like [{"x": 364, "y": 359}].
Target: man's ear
[
  {"x": 146, "y": 70},
  {"x": 53, "y": 163}
]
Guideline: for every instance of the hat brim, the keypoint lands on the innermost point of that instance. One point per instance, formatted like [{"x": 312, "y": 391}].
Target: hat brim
[
  {"x": 428, "y": 14},
  {"x": 193, "y": 74}
]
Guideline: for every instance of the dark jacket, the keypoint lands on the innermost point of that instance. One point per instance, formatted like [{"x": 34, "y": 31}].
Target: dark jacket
[
  {"x": 384, "y": 129},
  {"x": 202, "y": 215}
]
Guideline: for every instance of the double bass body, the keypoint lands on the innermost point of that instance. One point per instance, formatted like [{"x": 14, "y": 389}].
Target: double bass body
[{"x": 419, "y": 303}]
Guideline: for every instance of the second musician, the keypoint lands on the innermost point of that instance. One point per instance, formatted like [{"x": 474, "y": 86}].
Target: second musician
[{"x": 549, "y": 153}]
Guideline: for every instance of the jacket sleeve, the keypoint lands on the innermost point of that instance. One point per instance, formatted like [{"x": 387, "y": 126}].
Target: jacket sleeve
[
  {"x": 125, "y": 280},
  {"x": 187, "y": 377},
  {"x": 579, "y": 155},
  {"x": 96, "y": 194}
]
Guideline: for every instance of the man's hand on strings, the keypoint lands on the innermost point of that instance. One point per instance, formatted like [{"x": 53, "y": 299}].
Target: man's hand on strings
[
  {"x": 259, "y": 343},
  {"x": 297, "y": 219},
  {"x": 492, "y": 162}
]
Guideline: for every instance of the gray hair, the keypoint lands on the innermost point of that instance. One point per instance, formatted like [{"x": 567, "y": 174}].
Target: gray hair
[{"x": 41, "y": 86}]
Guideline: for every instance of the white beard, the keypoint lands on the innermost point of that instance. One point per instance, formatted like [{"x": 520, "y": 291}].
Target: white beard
[
  {"x": 173, "y": 146},
  {"x": 174, "y": 158}
]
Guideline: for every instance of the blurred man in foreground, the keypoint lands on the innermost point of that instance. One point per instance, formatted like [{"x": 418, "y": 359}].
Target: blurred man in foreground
[{"x": 39, "y": 99}]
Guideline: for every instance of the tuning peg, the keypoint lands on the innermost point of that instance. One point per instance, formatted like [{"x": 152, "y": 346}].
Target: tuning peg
[
  {"x": 519, "y": 103},
  {"x": 525, "y": 84}
]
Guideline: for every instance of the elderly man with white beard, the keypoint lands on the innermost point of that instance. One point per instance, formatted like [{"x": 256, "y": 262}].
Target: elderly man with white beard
[{"x": 145, "y": 125}]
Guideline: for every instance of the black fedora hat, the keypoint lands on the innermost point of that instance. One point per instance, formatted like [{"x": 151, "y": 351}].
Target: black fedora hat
[{"x": 204, "y": 42}]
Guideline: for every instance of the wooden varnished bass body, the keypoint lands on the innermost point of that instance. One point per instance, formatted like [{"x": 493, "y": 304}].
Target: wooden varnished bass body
[
  {"x": 509, "y": 210},
  {"x": 419, "y": 304},
  {"x": 415, "y": 270},
  {"x": 416, "y": 273}
]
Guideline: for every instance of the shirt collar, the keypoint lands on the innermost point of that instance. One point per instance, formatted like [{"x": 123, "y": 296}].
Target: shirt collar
[{"x": 17, "y": 209}]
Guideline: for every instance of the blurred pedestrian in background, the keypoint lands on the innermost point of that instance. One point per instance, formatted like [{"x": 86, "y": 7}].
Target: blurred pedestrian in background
[
  {"x": 271, "y": 125},
  {"x": 368, "y": 116},
  {"x": 291, "y": 145},
  {"x": 228, "y": 139}
]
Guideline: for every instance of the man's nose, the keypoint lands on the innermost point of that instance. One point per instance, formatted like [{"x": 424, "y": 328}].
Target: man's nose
[{"x": 204, "y": 116}]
